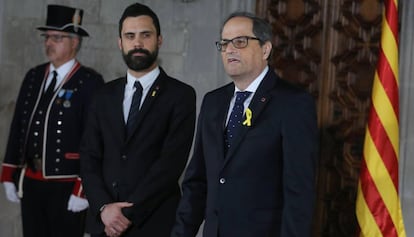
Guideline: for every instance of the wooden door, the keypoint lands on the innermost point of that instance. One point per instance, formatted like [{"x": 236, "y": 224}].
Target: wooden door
[{"x": 330, "y": 48}]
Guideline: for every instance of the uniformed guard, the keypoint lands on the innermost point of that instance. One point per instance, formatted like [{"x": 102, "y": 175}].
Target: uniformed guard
[{"x": 46, "y": 131}]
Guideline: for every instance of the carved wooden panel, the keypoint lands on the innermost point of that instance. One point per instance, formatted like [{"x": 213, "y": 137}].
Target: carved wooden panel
[{"x": 330, "y": 48}]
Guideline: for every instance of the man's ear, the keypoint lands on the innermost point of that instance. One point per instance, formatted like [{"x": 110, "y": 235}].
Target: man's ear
[
  {"x": 159, "y": 41},
  {"x": 267, "y": 49},
  {"x": 120, "y": 43}
]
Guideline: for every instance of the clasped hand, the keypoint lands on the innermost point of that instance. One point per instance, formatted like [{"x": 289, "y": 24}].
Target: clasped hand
[{"x": 114, "y": 220}]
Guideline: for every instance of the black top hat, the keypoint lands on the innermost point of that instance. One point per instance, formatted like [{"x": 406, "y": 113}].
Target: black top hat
[{"x": 62, "y": 18}]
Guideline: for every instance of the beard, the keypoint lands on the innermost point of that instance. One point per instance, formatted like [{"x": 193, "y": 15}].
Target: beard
[{"x": 139, "y": 63}]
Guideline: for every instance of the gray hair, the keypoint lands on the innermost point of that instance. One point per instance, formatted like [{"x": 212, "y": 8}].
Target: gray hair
[
  {"x": 261, "y": 28},
  {"x": 73, "y": 35}
]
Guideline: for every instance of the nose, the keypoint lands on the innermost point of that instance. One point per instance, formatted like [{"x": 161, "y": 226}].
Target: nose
[
  {"x": 229, "y": 48},
  {"x": 138, "y": 42},
  {"x": 47, "y": 41}
]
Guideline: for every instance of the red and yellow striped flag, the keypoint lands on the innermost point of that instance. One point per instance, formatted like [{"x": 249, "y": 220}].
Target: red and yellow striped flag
[{"x": 378, "y": 206}]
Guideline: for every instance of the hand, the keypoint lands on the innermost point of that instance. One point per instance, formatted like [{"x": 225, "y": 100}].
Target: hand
[
  {"x": 115, "y": 222},
  {"x": 11, "y": 193},
  {"x": 77, "y": 204}
]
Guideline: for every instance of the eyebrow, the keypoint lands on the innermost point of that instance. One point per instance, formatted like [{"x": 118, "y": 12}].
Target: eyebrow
[{"x": 140, "y": 32}]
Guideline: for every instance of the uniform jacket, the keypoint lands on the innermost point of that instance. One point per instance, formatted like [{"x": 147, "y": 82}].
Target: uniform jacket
[
  {"x": 144, "y": 168},
  {"x": 264, "y": 185},
  {"x": 65, "y": 119}
]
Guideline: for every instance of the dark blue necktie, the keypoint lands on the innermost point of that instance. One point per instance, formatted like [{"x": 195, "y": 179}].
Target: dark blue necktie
[
  {"x": 236, "y": 117},
  {"x": 134, "y": 110}
]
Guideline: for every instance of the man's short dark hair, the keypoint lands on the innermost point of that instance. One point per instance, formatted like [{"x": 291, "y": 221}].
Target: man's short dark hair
[{"x": 138, "y": 9}]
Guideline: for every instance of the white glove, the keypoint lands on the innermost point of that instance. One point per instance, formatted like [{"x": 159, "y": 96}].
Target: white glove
[
  {"x": 11, "y": 193},
  {"x": 77, "y": 204}
]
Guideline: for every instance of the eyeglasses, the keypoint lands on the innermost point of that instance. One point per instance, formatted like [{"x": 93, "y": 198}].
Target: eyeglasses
[
  {"x": 54, "y": 37},
  {"x": 238, "y": 42}
]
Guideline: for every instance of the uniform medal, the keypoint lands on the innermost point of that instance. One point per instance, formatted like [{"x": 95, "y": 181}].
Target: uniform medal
[
  {"x": 60, "y": 94},
  {"x": 68, "y": 95}
]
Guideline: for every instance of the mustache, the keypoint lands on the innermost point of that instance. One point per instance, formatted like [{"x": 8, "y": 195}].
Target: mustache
[{"x": 144, "y": 51}]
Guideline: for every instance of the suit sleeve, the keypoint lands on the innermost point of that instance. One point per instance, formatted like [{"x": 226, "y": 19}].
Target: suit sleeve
[
  {"x": 300, "y": 138},
  {"x": 91, "y": 153},
  {"x": 95, "y": 82},
  {"x": 13, "y": 155},
  {"x": 162, "y": 179},
  {"x": 190, "y": 211}
]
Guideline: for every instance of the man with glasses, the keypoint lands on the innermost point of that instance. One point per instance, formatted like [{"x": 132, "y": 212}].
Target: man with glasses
[
  {"x": 41, "y": 165},
  {"x": 253, "y": 168}
]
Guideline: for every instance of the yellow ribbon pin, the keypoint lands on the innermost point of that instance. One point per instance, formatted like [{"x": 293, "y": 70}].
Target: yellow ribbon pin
[{"x": 248, "y": 121}]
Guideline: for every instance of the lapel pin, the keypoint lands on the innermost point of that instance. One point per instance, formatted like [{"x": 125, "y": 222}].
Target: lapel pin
[
  {"x": 248, "y": 121},
  {"x": 154, "y": 92}
]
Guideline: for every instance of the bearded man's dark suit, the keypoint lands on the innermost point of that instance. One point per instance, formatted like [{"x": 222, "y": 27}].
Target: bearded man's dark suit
[
  {"x": 143, "y": 168},
  {"x": 264, "y": 184}
]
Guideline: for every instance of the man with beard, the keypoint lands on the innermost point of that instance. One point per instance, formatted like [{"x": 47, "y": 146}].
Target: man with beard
[
  {"x": 46, "y": 130},
  {"x": 138, "y": 137}
]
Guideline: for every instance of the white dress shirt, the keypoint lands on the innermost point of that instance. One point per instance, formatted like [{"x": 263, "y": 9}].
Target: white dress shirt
[
  {"x": 146, "y": 82},
  {"x": 252, "y": 88},
  {"x": 62, "y": 71}
]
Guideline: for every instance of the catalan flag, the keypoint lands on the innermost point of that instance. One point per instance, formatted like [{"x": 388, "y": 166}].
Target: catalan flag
[{"x": 378, "y": 206}]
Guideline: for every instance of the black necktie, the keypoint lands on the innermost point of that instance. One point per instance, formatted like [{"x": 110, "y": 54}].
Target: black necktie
[
  {"x": 48, "y": 94},
  {"x": 236, "y": 117},
  {"x": 134, "y": 110},
  {"x": 51, "y": 88}
]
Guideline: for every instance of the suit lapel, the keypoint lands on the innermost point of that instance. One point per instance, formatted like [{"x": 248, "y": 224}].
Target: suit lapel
[
  {"x": 257, "y": 104},
  {"x": 223, "y": 106}
]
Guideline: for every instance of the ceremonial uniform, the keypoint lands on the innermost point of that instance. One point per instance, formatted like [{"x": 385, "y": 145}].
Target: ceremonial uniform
[
  {"x": 52, "y": 130},
  {"x": 46, "y": 130},
  {"x": 62, "y": 128}
]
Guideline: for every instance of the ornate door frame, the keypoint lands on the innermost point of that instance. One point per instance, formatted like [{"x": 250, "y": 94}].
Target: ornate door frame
[{"x": 330, "y": 48}]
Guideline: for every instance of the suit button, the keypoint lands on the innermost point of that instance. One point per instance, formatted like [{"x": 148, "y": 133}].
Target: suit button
[
  {"x": 114, "y": 184},
  {"x": 222, "y": 180},
  {"x": 124, "y": 157}
]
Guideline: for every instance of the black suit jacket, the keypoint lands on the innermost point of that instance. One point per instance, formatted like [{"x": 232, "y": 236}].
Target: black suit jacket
[
  {"x": 264, "y": 185},
  {"x": 144, "y": 168}
]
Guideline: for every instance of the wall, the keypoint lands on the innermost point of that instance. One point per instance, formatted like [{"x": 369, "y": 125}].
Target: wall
[{"x": 189, "y": 28}]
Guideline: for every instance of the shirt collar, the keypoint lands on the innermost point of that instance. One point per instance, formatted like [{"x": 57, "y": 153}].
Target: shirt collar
[
  {"x": 146, "y": 81},
  {"x": 63, "y": 69},
  {"x": 255, "y": 83}
]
